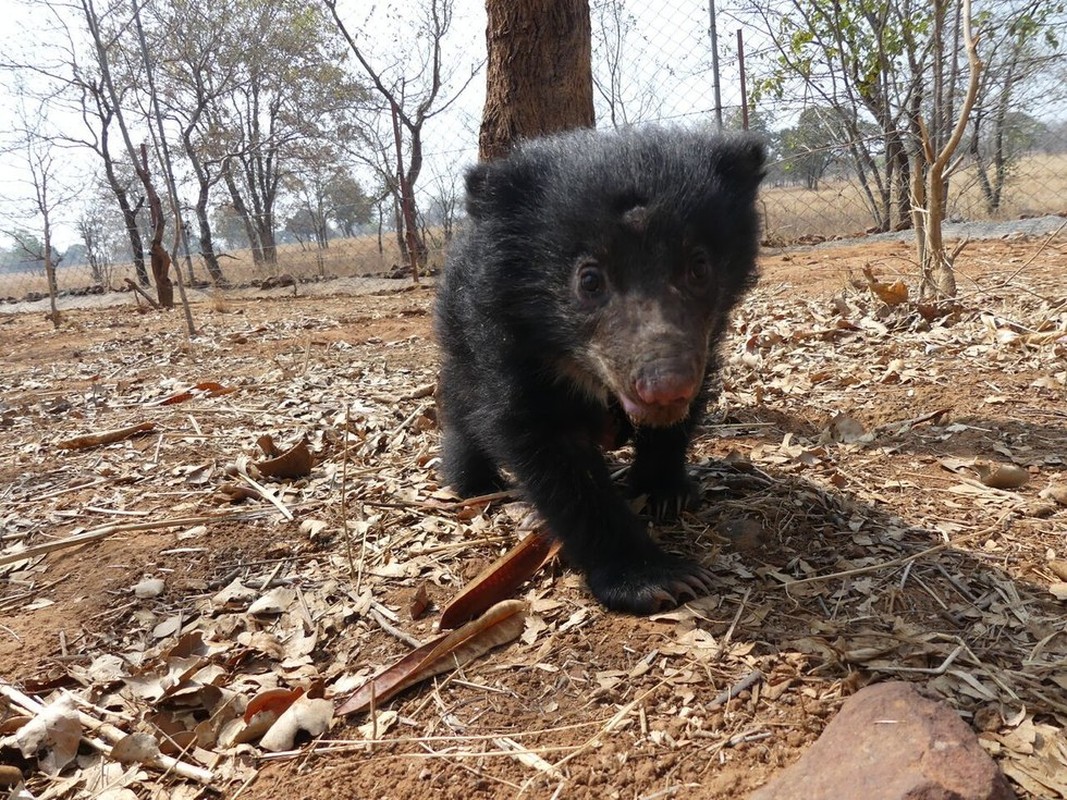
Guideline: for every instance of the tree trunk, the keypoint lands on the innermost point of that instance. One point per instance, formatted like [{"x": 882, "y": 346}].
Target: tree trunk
[
  {"x": 50, "y": 267},
  {"x": 158, "y": 255},
  {"x": 267, "y": 244},
  {"x": 203, "y": 181},
  {"x": 207, "y": 243},
  {"x": 246, "y": 218},
  {"x": 133, "y": 233},
  {"x": 539, "y": 75},
  {"x": 129, "y": 213},
  {"x": 938, "y": 282}
]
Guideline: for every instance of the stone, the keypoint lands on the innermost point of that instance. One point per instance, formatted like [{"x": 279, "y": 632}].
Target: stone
[{"x": 889, "y": 742}]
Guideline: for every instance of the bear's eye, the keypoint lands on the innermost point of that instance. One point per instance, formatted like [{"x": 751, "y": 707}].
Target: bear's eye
[
  {"x": 591, "y": 281},
  {"x": 699, "y": 267}
]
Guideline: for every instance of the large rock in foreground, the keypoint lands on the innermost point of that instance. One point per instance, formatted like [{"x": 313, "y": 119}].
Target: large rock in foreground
[{"x": 888, "y": 742}]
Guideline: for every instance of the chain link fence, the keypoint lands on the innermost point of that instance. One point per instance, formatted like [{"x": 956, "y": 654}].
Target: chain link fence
[{"x": 830, "y": 174}]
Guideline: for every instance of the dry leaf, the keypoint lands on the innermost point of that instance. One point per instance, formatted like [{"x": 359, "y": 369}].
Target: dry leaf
[
  {"x": 499, "y": 625},
  {"x": 1056, "y": 492},
  {"x": 148, "y": 588},
  {"x": 137, "y": 748},
  {"x": 500, "y": 579},
  {"x": 52, "y": 736},
  {"x": 1059, "y": 569},
  {"x": 296, "y": 462},
  {"x": 202, "y": 389},
  {"x": 891, "y": 294},
  {"x": 1002, "y": 476},
  {"x": 420, "y": 602},
  {"x": 10, "y": 776},
  {"x": 272, "y": 701},
  {"x": 306, "y": 714},
  {"x": 274, "y": 601},
  {"x": 380, "y": 724}
]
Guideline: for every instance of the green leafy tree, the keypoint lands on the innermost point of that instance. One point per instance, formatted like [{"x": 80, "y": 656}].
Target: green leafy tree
[
  {"x": 348, "y": 205},
  {"x": 291, "y": 89},
  {"x": 810, "y": 147},
  {"x": 1021, "y": 41}
]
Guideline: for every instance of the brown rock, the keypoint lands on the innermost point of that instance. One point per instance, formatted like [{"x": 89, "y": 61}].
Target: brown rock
[{"x": 888, "y": 742}]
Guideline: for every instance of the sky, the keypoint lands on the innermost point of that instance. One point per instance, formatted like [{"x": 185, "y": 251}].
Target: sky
[{"x": 668, "y": 59}]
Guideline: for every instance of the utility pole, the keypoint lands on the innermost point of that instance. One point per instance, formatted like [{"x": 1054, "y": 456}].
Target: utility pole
[
  {"x": 715, "y": 65},
  {"x": 744, "y": 87}
]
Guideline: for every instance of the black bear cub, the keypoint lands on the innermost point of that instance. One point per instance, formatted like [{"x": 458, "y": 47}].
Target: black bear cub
[{"x": 581, "y": 308}]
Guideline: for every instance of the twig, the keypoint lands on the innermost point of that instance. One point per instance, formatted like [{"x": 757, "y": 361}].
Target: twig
[
  {"x": 620, "y": 715},
  {"x": 733, "y": 626},
  {"x": 724, "y": 697},
  {"x": 847, "y": 573},
  {"x": 392, "y": 630},
  {"x": 262, "y": 490},
  {"x": 106, "y": 437},
  {"x": 1031, "y": 259},
  {"x": 111, "y": 734},
  {"x": 143, "y": 294},
  {"x": 59, "y": 492},
  {"x": 107, "y": 530}
]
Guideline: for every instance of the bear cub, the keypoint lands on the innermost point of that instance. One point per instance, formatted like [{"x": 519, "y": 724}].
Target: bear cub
[{"x": 580, "y": 308}]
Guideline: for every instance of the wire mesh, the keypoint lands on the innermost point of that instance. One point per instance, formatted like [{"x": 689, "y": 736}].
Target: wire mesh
[{"x": 652, "y": 63}]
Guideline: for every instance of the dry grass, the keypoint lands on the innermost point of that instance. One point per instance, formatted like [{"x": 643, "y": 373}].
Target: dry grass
[{"x": 1037, "y": 186}]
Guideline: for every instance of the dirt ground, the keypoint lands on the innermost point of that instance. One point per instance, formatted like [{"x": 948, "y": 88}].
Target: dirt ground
[{"x": 848, "y": 513}]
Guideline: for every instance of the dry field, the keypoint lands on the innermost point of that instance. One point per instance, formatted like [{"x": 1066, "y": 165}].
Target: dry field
[
  {"x": 844, "y": 516},
  {"x": 1038, "y": 186}
]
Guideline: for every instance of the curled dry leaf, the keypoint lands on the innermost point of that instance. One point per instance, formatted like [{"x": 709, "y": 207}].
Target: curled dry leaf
[
  {"x": 106, "y": 437},
  {"x": 891, "y": 294},
  {"x": 499, "y": 625},
  {"x": 52, "y": 736},
  {"x": 306, "y": 714},
  {"x": 13, "y": 723},
  {"x": 296, "y": 462},
  {"x": 275, "y": 601},
  {"x": 420, "y": 602},
  {"x": 1059, "y": 569},
  {"x": 500, "y": 579},
  {"x": 379, "y": 725},
  {"x": 1056, "y": 492},
  {"x": 202, "y": 389},
  {"x": 149, "y": 587},
  {"x": 237, "y": 493},
  {"x": 1002, "y": 476},
  {"x": 1059, "y": 590},
  {"x": 271, "y": 703},
  {"x": 10, "y": 776}
]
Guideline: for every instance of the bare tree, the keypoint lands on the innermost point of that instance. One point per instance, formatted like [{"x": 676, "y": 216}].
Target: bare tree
[
  {"x": 47, "y": 193},
  {"x": 196, "y": 75},
  {"x": 1019, "y": 46},
  {"x": 290, "y": 89},
  {"x": 628, "y": 86},
  {"x": 74, "y": 85},
  {"x": 160, "y": 260},
  {"x": 932, "y": 167},
  {"x": 409, "y": 101}
]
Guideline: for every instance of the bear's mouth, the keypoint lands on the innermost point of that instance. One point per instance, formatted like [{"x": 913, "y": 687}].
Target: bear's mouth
[{"x": 656, "y": 415}]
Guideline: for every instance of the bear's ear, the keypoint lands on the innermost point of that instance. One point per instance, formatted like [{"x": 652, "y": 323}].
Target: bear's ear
[
  {"x": 499, "y": 188},
  {"x": 742, "y": 159}
]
